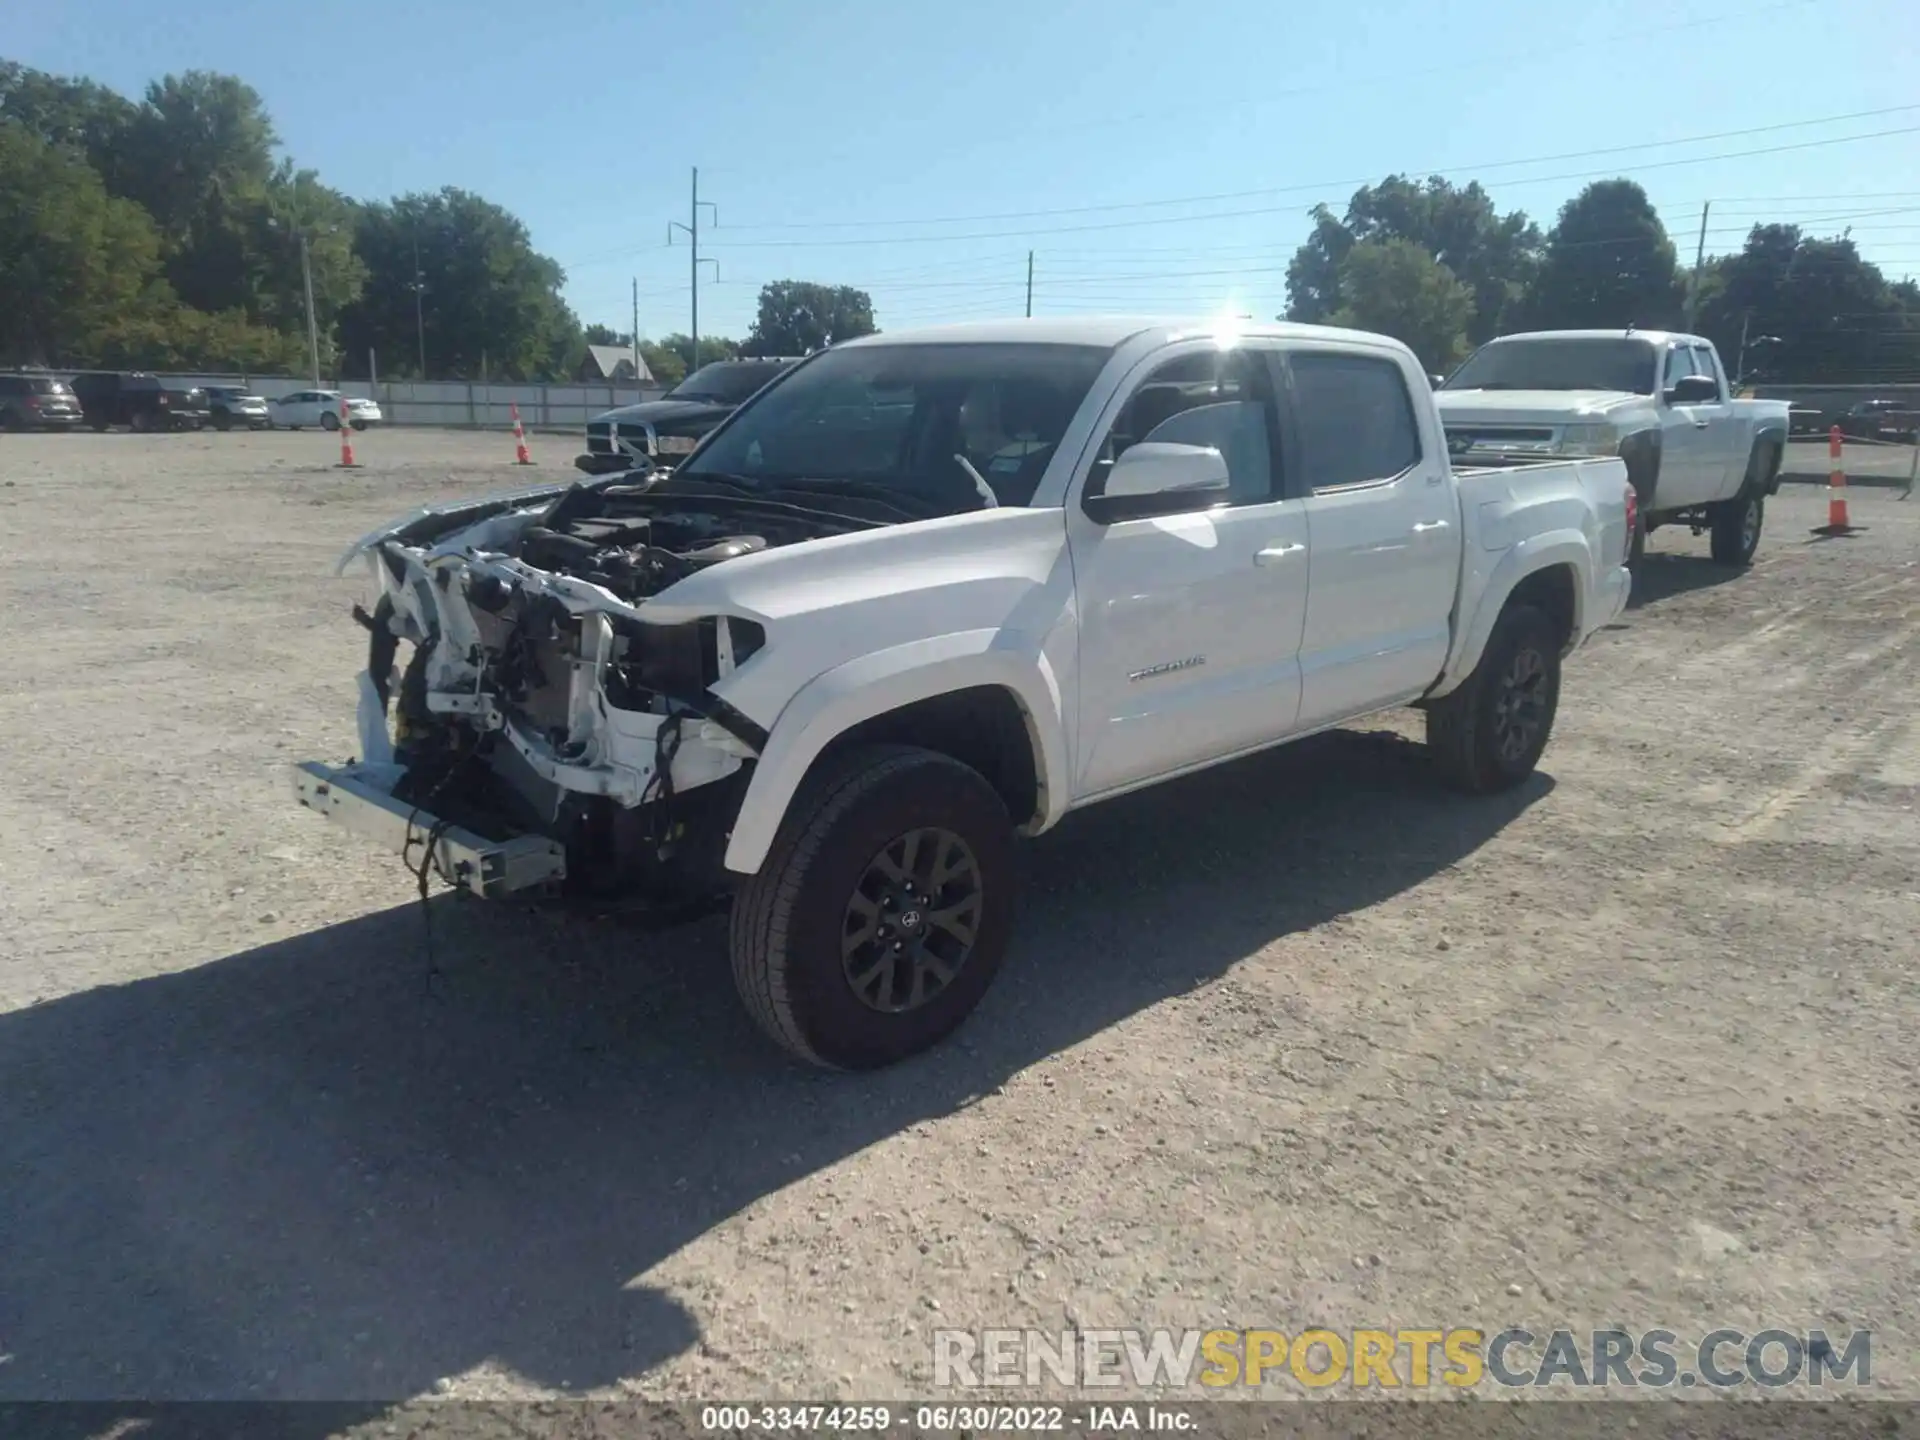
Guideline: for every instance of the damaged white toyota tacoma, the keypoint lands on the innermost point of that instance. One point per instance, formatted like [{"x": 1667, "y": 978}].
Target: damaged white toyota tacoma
[{"x": 930, "y": 591}]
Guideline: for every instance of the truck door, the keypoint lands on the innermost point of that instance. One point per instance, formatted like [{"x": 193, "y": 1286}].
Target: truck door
[
  {"x": 1383, "y": 535},
  {"x": 1691, "y": 464},
  {"x": 1727, "y": 450},
  {"x": 1189, "y": 624}
]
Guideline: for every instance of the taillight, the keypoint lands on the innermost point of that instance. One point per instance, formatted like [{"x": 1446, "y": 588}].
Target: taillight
[{"x": 1633, "y": 515}]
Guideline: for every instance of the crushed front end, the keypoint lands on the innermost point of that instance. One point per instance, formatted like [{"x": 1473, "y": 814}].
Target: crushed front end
[{"x": 522, "y": 725}]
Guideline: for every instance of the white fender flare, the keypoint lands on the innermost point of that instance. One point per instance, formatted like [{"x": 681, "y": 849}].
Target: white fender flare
[
  {"x": 1529, "y": 557},
  {"x": 832, "y": 703}
]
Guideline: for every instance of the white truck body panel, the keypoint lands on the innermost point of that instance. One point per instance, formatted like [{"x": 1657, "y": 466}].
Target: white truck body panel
[{"x": 1136, "y": 650}]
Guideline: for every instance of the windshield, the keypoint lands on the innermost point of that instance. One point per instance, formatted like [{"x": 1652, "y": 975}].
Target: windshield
[
  {"x": 1599, "y": 363},
  {"x": 726, "y": 382},
  {"x": 917, "y": 421}
]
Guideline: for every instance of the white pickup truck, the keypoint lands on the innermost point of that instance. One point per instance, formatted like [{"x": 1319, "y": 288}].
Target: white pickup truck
[
  {"x": 930, "y": 590},
  {"x": 1697, "y": 456}
]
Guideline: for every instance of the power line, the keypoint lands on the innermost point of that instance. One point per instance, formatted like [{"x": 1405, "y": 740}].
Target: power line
[
  {"x": 1287, "y": 209},
  {"x": 1329, "y": 184}
]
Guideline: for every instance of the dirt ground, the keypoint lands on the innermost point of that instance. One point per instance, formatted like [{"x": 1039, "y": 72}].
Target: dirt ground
[{"x": 1302, "y": 1041}]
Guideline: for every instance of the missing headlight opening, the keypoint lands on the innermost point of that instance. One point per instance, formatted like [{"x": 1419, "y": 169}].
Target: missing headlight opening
[{"x": 530, "y": 703}]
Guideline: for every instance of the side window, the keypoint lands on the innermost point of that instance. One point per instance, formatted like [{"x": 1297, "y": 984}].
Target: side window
[
  {"x": 1703, "y": 365},
  {"x": 1218, "y": 398},
  {"x": 1355, "y": 419},
  {"x": 1679, "y": 366}
]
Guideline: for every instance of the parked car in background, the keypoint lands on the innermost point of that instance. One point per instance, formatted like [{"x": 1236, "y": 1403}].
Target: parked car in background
[
  {"x": 1806, "y": 420},
  {"x": 229, "y": 405},
  {"x": 138, "y": 400},
  {"x": 662, "y": 432},
  {"x": 321, "y": 410},
  {"x": 1659, "y": 401},
  {"x": 1882, "y": 420},
  {"x": 934, "y": 589},
  {"x": 37, "y": 402}
]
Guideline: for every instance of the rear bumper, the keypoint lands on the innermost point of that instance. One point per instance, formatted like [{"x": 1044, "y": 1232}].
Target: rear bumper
[
  {"x": 359, "y": 799},
  {"x": 1615, "y": 589}
]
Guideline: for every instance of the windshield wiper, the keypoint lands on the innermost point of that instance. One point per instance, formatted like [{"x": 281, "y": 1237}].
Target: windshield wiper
[{"x": 909, "y": 506}]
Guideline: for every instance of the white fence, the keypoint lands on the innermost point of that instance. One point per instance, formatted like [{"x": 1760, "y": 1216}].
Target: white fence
[{"x": 467, "y": 404}]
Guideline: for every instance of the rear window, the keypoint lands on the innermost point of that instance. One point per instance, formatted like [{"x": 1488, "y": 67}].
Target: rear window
[{"x": 1355, "y": 419}]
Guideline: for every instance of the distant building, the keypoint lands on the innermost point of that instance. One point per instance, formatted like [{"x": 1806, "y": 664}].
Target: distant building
[{"x": 615, "y": 362}]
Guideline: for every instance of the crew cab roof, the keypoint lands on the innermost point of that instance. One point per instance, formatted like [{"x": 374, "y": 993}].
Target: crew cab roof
[
  {"x": 1109, "y": 331},
  {"x": 1655, "y": 337}
]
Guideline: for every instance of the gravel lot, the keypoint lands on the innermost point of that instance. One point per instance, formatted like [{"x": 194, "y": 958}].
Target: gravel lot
[{"x": 1305, "y": 1040}]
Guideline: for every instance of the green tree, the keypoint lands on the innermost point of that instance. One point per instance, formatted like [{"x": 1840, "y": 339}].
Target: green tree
[
  {"x": 1493, "y": 255},
  {"x": 606, "y": 335},
  {"x": 78, "y": 114},
  {"x": 490, "y": 301},
  {"x": 79, "y": 269},
  {"x": 1608, "y": 263},
  {"x": 1396, "y": 288},
  {"x": 798, "y": 317},
  {"x": 199, "y": 156},
  {"x": 1820, "y": 312},
  {"x": 666, "y": 366},
  {"x": 680, "y": 347}
]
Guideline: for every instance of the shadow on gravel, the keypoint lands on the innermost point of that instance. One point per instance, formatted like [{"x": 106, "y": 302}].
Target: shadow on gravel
[
  {"x": 292, "y": 1173},
  {"x": 1662, "y": 577}
]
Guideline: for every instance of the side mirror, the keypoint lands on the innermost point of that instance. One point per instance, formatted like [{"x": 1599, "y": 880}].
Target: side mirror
[
  {"x": 1156, "y": 478},
  {"x": 1694, "y": 390}
]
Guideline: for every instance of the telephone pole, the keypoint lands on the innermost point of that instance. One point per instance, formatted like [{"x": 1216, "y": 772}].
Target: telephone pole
[
  {"x": 419, "y": 307},
  {"x": 313, "y": 330},
  {"x": 1029, "y": 284},
  {"x": 692, "y": 229},
  {"x": 1699, "y": 259},
  {"x": 636, "y": 330}
]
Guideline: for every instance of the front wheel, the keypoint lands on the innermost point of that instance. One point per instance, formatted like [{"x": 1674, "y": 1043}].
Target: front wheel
[
  {"x": 882, "y": 912},
  {"x": 329, "y": 421},
  {"x": 1736, "y": 529},
  {"x": 1488, "y": 734}
]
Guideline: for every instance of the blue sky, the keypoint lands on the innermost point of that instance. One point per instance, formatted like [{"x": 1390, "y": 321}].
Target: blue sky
[{"x": 906, "y": 147}]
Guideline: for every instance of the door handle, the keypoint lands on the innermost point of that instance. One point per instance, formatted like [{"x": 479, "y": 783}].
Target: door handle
[
  {"x": 1700, "y": 424},
  {"x": 1421, "y": 527},
  {"x": 1274, "y": 554}
]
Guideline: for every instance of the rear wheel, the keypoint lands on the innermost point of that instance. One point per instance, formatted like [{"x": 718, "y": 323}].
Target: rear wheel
[
  {"x": 142, "y": 422},
  {"x": 1736, "y": 528},
  {"x": 1488, "y": 734},
  {"x": 329, "y": 421},
  {"x": 222, "y": 420},
  {"x": 882, "y": 912}
]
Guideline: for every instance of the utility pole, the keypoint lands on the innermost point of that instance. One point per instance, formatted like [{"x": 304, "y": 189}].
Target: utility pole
[
  {"x": 1699, "y": 259},
  {"x": 636, "y": 330},
  {"x": 419, "y": 309},
  {"x": 693, "y": 235},
  {"x": 1029, "y": 284},
  {"x": 313, "y": 330}
]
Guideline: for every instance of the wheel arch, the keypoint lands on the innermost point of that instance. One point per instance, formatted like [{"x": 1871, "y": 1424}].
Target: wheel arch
[
  {"x": 1545, "y": 571},
  {"x": 998, "y": 711}
]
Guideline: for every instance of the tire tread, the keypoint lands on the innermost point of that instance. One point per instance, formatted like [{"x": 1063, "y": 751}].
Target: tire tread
[{"x": 760, "y": 928}]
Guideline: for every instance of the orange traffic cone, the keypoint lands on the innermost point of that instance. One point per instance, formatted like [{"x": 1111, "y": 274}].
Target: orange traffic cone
[
  {"x": 520, "y": 455},
  {"x": 347, "y": 462},
  {"x": 1837, "y": 522}
]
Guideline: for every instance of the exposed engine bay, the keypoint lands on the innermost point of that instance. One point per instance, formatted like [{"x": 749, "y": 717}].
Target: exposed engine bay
[{"x": 537, "y": 698}]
